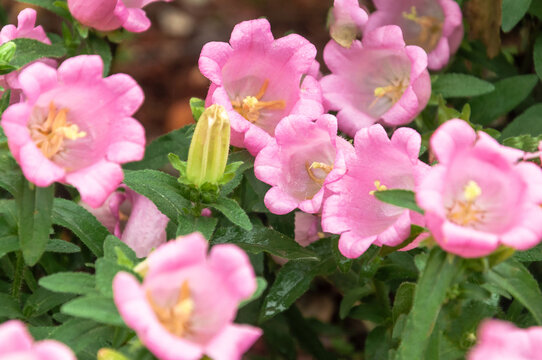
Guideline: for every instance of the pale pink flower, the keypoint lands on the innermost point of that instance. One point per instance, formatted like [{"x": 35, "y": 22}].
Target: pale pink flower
[
  {"x": 134, "y": 219},
  {"x": 260, "y": 80},
  {"x": 479, "y": 197},
  {"x": 308, "y": 228},
  {"x": 380, "y": 79},
  {"x": 107, "y": 15},
  {"x": 26, "y": 28},
  {"x": 434, "y": 25},
  {"x": 378, "y": 164},
  {"x": 347, "y": 22},
  {"x": 75, "y": 127},
  {"x": 300, "y": 161},
  {"x": 501, "y": 340},
  {"x": 186, "y": 305},
  {"x": 17, "y": 343}
]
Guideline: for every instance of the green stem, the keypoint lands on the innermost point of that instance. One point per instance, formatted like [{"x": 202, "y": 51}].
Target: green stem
[{"x": 18, "y": 276}]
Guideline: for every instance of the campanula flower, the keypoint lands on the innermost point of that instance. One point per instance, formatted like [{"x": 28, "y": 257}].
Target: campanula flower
[
  {"x": 185, "y": 307},
  {"x": 75, "y": 127},
  {"x": 379, "y": 163},
  {"x": 17, "y": 343},
  {"x": 260, "y": 80},
  {"x": 347, "y": 22},
  {"x": 378, "y": 79},
  {"x": 304, "y": 156},
  {"x": 479, "y": 196},
  {"x": 434, "y": 25}
]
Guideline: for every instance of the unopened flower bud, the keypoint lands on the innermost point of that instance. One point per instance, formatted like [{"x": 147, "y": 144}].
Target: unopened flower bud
[
  {"x": 109, "y": 354},
  {"x": 209, "y": 148}
]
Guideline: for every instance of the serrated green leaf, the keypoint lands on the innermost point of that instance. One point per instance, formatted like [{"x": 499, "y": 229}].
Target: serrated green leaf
[
  {"x": 293, "y": 280},
  {"x": 189, "y": 224},
  {"x": 156, "y": 153},
  {"x": 98, "y": 308},
  {"x": 162, "y": 189},
  {"x": 398, "y": 197},
  {"x": 198, "y": 107},
  {"x": 261, "y": 239},
  {"x": 10, "y": 308},
  {"x": 512, "y": 12},
  {"x": 82, "y": 223},
  {"x": 528, "y": 123},
  {"x": 460, "y": 85},
  {"x": 69, "y": 282},
  {"x": 34, "y": 209},
  {"x": 430, "y": 293},
  {"x": 508, "y": 94},
  {"x": 29, "y": 50},
  {"x": 233, "y": 212},
  {"x": 513, "y": 277}
]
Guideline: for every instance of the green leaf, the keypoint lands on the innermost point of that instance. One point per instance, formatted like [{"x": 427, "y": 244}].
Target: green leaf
[
  {"x": 231, "y": 209},
  {"x": 523, "y": 142},
  {"x": 189, "y": 224},
  {"x": 533, "y": 254},
  {"x": 8, "y": 244},
  {"x": 351, "y": 297},
  {"x": 461, "y": 85},
  {"x": 156, "y": 153},
  {"x": 261, "y": 239},
  {"x": 513, "y": 277},
  {"x": 34, "y": 213},
  {"x": 293, "y": 280},
  {"x": 106, "y": 270},
  {"x": 43, "y": 300},
  {"x": 7, "y": 51},
  {"x": 398, "y": 197},
  {"x": 10, "y": 307},
  {"x": 118, "y": 251},
  {"x": 83, "y": 224},
  {"x": 512, "y": 12},
  {"x": 101, "y": 47},
  {"x": 162, "y": 189},
  {"x": 61, "y": 247},
  {"x": 528, "y": 123},
  {"x": 198, "y": 107},
  {"x": 415, "y": 231},
  {"x": 262, "y": 285},
  {"x": 69, "y": 282},
  {"x": 11, "y": 179},
  {"x": 429, "y": 296},
  {"x": 29, "y": 50},
  {"x": 98, "y": 308},
  {"x": 404, "y": 298},
  {"x": 378, "y": 344},
  {"x": 508, "y": 94},
  {"x": 537, "y": 56}
]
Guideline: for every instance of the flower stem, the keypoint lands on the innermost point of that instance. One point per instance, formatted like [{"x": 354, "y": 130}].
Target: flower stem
[{"x": 18, "y": 276}]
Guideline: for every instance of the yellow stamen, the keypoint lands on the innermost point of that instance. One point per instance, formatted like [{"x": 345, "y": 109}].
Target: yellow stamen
[
  {"x": 466, "y": 213},
  {"x": 49, "y": 136},
  {"x": 394, "y": 91},
  {"x": 321, "y": 166},
  {"x": 379, "y": 187},
  {"x": 251, "y": 106},
  {"x": 431, "y": 28},
  {"x": 175, "y": 319}
]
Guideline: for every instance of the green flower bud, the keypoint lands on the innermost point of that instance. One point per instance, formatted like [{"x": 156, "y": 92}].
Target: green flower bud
[{"x": 209, "y": 148}]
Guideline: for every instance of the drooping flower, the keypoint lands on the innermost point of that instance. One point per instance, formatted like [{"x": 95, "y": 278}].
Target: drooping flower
[
  {"x": 479, "y": 197},
  {"x": 378, "y": 164},
  {"x": 134, "y": 219},
  {"x": 300, "y": 161},
  {"x": 17, "y": 343},
  {"x": 186, "y": 305},
  {"x": 107, "y": 15},
  {"x": 501, "y": 340},
  {"x": 434, "y": 25},
  {"x": 348, "y": 20},
  {"x": 260, "y": 80},
  {"x": 26, "y": 28},
  {"x": 75, "y": 127},
  {"x": 380, "y": 79}
]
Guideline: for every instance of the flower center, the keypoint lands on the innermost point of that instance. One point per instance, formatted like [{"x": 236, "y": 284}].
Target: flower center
[
  {"x": 318, "y": 171},
  {"x": 466, "y": 213},
  {"x": 431, "y": 29},
  {"x": 393, "y": 92},
  {"x": 49, "y": 135},
  {"x": 176, "y": 318},
  {"x": 379, "y": 187},
  {"x": 251, "y": 106}
]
